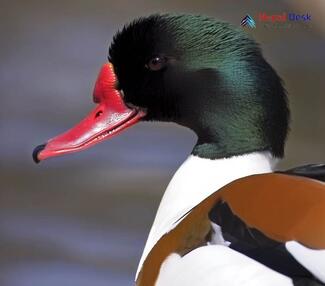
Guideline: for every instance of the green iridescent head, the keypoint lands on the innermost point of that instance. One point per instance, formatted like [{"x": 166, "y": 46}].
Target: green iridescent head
[{"x": 206, "y": 75}]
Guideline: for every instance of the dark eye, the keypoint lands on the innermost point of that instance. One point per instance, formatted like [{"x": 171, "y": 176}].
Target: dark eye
[{"x": 156, "y": 63}]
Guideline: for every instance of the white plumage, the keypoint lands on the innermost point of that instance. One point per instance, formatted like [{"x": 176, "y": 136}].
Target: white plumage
[{"x": 217, "y": 265}]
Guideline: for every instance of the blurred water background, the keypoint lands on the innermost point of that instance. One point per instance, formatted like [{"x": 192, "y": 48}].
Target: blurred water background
[{"x": 83, "y": 219}]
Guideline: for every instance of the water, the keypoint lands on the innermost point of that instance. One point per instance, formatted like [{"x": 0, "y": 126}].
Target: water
[{"x": 55, "y": 250}]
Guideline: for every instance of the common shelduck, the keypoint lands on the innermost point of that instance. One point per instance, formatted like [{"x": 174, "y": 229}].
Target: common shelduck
[{"x": 226, "y": 218}]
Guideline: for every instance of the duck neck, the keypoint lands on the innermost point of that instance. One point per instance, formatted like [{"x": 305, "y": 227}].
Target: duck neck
[{"x": 195, "y": 180}]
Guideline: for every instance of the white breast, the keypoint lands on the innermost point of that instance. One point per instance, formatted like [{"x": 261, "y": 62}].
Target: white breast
[{"x": 194, "y": 181}]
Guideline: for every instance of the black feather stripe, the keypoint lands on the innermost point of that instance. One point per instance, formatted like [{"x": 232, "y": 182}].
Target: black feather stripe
[
  {"x": 255, "y": 244},
  {"x": 306, "y": 282},
  {"x": 313, "y": 171}
]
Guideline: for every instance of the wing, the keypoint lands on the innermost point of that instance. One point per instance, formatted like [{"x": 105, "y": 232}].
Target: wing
[
  {"x": 282, "y": 207},
  {"x": 276, "y": 255},
  {"x": 263, "y": 216},
  {"x": 313, "y": 171}
]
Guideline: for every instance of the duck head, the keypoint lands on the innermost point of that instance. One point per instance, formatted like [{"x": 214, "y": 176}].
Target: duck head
[{"x": 195, "y": 71}]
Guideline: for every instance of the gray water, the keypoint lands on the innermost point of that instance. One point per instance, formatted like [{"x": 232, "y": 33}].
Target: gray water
[{"x": 67, "y": 252}]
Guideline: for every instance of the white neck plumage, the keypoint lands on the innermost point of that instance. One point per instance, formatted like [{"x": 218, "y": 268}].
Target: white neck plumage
[{"x": 195, "y": 180}]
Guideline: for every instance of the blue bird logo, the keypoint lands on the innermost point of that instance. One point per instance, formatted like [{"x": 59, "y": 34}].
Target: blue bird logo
[{"x": 248, "y": 21}]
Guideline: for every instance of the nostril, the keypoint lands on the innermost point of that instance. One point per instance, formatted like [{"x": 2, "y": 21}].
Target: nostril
[{"x": 98, "y": 113}]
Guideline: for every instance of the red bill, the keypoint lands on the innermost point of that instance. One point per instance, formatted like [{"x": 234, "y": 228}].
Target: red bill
[{"x": 110, "y": 116}]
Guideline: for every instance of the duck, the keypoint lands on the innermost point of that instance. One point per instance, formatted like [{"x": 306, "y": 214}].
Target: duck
[{"x": 227, "y": 216}]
